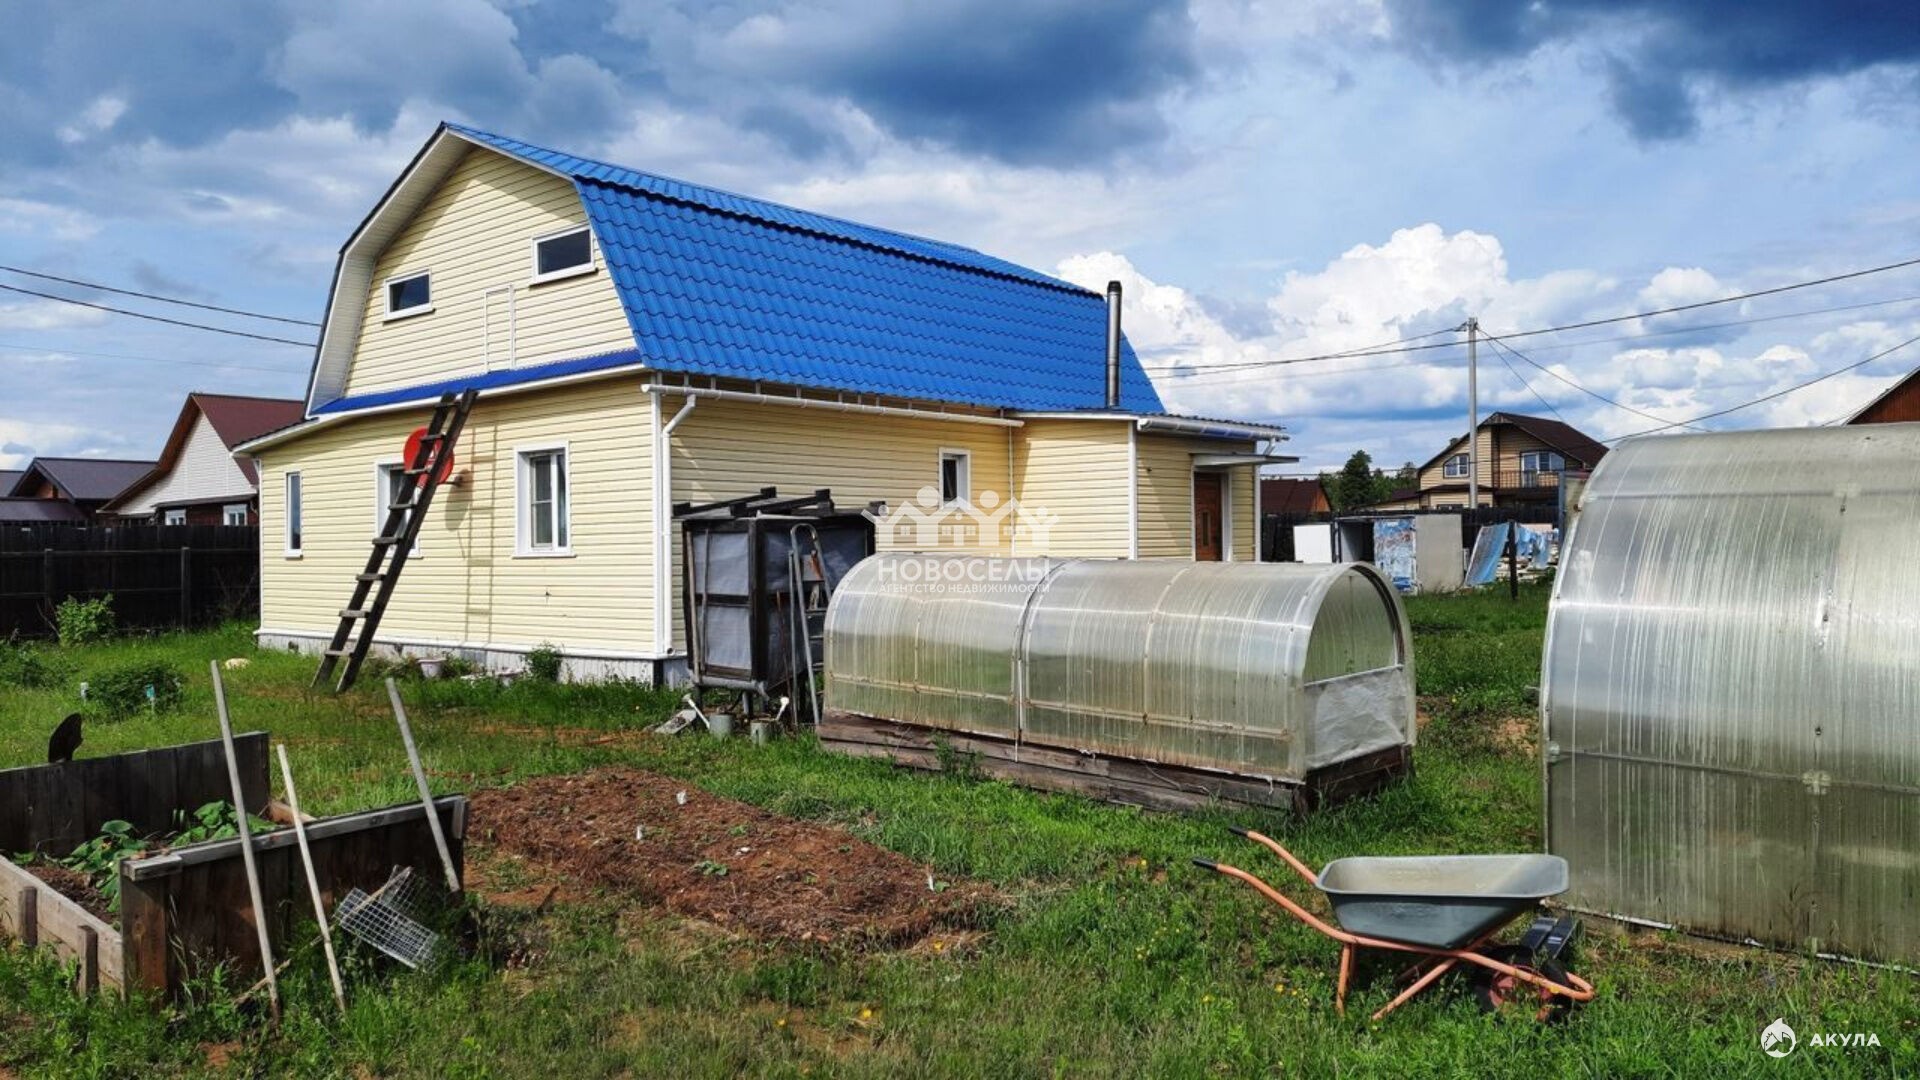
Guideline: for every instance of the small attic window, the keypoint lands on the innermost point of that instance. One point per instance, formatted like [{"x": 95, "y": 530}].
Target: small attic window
[
  {"x": 410, "y": 295},
  {"x": 563, "y": 254}
]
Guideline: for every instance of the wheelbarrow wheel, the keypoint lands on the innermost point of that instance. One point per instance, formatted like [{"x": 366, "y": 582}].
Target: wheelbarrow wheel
[{"x": 1494, "y": 990}]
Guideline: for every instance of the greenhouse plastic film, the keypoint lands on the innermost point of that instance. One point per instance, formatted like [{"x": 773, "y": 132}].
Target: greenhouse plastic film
[
  {"x": 1731, "y": 688},
  {"x": 1260, "y": 669}
]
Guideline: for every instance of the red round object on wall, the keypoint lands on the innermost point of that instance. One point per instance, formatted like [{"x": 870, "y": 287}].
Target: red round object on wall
[{"x": 442, "y": 457}]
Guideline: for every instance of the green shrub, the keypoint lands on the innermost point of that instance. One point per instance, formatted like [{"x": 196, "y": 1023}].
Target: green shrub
[
  {"x": 83, "y": 622},
  {"x": 24, "y": 667},
  {"x": 122, "y": 691},
  {"x": 543, "y": 662}
]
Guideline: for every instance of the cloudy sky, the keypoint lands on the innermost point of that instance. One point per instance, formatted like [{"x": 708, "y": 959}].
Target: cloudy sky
[{"x": 1271, "y": 180}]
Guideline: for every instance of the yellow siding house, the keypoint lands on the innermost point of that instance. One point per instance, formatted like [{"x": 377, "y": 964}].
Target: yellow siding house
[{"x": 639, "y": 342}]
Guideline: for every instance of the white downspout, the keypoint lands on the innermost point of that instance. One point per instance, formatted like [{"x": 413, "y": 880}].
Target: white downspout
[
  {"x": 663, "y": 521},
  {"x": 1133, "y": 491}
]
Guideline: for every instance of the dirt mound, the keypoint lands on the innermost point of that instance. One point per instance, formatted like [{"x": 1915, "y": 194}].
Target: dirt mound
[
  {"x": 75, "y": 886},
  {"x": 713, "y": 858}
]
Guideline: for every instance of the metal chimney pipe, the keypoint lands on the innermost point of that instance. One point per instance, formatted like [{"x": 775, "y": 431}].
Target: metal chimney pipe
[{"x": 1113, "y": 345}]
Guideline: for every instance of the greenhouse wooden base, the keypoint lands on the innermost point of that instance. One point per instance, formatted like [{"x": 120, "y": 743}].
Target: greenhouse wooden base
[{"x": 1100, "y": 776}]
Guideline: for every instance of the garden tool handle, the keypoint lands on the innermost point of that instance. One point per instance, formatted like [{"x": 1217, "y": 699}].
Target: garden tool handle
[{"x": 1274, "y": 845}]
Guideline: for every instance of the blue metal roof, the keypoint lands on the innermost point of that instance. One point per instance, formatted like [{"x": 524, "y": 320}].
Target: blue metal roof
[
  {"x": 722, "y": 285},
  {"x": 491, "y": 380}
]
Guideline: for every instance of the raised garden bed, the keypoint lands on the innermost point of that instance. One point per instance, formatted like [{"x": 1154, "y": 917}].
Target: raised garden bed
[{"x": 188, "y": 907}]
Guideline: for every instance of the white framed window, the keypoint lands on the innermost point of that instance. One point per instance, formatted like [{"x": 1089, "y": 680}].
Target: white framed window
[
  {"x": 293, "y": 512},
  {"x": 233, "y": 514},
  {"x": 956, "y": 477},
  {"x": 1542, "y": 461},
  {"x": 409, "y": 295},
  {"x": 392, "y": 485},
  {"x": 563, "y": 254},
  {"x": 545, "y": 525},
  {"x": 1455, "y": 468},
  {"x": 176, "y": 515}
]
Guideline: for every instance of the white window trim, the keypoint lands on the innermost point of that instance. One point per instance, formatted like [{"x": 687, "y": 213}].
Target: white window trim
[
  {"x": 380, "y": 498},
  {"x": 166, "y": 514},
  {"x": 386, "y": 296},
  {"x": 591, "y": 266},
  {"x": 523, "y": 502},
  {"x": 226, "y": 511},
  {"x": 1541, "y": 459},
  {"x": 1446, "y": 467},
  {"x": 288, "y": 549},
  {"x": 966, "y": 475}
]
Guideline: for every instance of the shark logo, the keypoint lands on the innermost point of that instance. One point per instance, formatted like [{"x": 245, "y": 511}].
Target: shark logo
[{"x": 1777, "y": 1039}]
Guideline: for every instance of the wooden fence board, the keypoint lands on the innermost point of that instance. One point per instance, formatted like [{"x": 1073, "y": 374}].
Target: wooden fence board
[
  {"x": 52, "y": 809},
  {"x": 160, "y": 576},
  {"x": 59, "y": 924}
]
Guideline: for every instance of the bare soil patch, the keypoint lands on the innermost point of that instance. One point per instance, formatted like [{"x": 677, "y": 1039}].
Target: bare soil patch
[
  {"x": 73, "y": 885},
  {"x": 708, "y": 857}
]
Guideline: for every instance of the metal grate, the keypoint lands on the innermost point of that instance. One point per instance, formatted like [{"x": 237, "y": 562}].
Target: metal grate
[{"x": 390, "y": 919}]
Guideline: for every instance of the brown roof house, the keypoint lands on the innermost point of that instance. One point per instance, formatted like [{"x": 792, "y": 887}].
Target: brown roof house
[
  {"x": 197, "y": 480},
  {"x": 1521, "y": 461},
  {"x": 67, "y": 489},
  {"x": 1292, "y": 496},
  {"x": 1898, "y": 404}
]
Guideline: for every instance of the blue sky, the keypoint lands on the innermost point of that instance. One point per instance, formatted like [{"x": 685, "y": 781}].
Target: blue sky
[{"x": 1270, "y": 180}]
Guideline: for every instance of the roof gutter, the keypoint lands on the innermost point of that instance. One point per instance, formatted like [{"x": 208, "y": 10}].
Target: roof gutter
[
  {"x": 1215, "y": 428},
  {"x": 795, "y": 401}
]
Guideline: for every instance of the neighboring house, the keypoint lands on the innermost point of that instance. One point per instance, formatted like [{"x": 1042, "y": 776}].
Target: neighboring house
[
  {"x": 1294, "y": 497},
  {"x": 1521, "y": 461},
  {"x": 640, "y": 342},
  {"x": 198, "y": 481},
  {"x": 1899, "y": 403},
  {"x": 83, "y": 484}
]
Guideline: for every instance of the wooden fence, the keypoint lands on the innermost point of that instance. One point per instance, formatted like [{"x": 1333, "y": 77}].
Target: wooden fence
[
  {"x": 160, "y": 576},
  {"x": 188, "y": 910}
]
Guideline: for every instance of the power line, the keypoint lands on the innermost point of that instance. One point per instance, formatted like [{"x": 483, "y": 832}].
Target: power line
[
  {"x": 156, "y": 297},
  {"x": 1590, "y": 393},
  {"x": 157, "y": 318},
  {"x": 1882, "y": 354},
  {"x": 1850, "y": 275},
  {"x": 147, "y": 359},
  {"x": 1511, "y": 370},
  {"x": 1201, "y": 373}
]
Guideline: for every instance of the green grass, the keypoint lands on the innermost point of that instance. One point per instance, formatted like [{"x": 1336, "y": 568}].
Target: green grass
[{"x": 1097, "y": 966}]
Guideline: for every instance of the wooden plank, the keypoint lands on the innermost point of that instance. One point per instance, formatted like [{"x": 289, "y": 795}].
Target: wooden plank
[
  {"x": 56, "y": 808},
  {"x": 60, "y": 924},
  {"x": 450, "y": 807},
  {"x": 1099, "y": 776},
  {"x": 145, "y": 930}
]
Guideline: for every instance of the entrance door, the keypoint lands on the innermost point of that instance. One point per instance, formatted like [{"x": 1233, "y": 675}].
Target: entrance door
[{"x": 1208, "y": 515}]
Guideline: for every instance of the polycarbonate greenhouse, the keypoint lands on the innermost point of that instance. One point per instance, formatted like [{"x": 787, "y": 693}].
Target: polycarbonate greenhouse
[
  {"x": 1264, "y": 671},
  {"x": 1731, "y": 693}
]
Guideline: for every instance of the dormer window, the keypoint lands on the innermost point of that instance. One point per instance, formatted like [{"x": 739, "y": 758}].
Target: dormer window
[
  {"x": 563, "y": 254},
  {"x": 1456, "y": 467},
  {"x": 409, "y": 295}
]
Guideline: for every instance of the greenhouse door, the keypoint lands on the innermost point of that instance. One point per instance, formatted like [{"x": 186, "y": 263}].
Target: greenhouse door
[{"x": 1208, "y": 512}]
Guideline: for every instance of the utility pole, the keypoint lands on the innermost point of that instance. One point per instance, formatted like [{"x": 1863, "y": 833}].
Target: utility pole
[{"x": 1472, "y": 327}]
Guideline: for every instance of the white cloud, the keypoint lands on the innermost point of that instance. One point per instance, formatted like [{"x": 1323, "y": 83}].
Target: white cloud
[
  {"x": 35, "y": 314},
  {"x": 96, "y": 119},
  {"x": 22, "y": 440},
  {"x": 45, "y": 220}
]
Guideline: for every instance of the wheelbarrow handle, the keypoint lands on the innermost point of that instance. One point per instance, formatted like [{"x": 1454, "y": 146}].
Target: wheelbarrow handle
[{"x": 1275, "y": 846}]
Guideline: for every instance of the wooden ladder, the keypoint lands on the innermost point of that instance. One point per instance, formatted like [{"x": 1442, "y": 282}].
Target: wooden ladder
[{"x": 394, "y": 545}]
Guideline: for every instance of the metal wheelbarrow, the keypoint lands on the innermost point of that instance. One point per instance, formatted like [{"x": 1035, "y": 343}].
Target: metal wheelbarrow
[{"x": 1445, "y": 909}]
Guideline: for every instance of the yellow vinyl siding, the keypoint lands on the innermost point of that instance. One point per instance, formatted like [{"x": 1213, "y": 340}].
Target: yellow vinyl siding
[
  {"x": 474, "y": 235},
  {"x": 725, "y": 449},
  {"x": 466, "y": 585},
  {"x": 1166, "y": 496},
  {"x": 1077, "y": 471}
]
